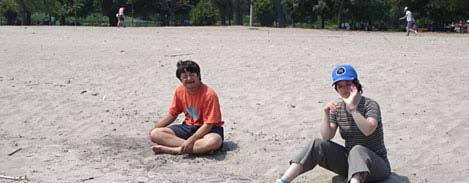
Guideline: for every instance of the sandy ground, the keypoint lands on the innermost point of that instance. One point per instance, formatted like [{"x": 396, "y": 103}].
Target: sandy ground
[{"x": 79, "y": 101}]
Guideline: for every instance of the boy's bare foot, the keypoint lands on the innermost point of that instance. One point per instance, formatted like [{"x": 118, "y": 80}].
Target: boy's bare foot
[{"x": 160, "y": 149}]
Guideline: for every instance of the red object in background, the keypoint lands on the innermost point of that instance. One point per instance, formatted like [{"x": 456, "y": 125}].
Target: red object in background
[
  {"x": 462, "y": 26},
  {"x": 421, "y": 29}
]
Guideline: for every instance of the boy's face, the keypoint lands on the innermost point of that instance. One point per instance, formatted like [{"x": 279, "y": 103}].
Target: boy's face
[
  {"x": 190, "y": 80},
  {"x": 344, "y": 88}
]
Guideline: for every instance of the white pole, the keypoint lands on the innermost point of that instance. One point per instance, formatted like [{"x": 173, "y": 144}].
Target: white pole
[
  {"x": 133, "y": 14},
  {"x": 250, "y": 14}
]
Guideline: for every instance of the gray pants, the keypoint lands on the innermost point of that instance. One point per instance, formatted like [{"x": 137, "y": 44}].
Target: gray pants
[
  {"x": 335, "y": 157},
  {"x": 410, "y": 26}
]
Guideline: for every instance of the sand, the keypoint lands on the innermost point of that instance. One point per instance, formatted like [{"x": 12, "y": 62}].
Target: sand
[{"x": 79, "y": 101}]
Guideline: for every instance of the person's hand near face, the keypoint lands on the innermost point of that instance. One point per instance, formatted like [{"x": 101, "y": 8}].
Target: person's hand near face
[{"x": 353, "y": 98}]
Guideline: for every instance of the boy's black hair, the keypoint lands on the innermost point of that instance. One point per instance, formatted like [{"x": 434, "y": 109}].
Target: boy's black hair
[
  {"x": 187, "y": 66},
  {"x": 356, "y": 82}
]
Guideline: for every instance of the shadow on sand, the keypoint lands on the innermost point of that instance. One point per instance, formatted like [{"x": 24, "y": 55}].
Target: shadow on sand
[
  {"x": 217, "y": 155},
  {"x": 394, "y": 178}
]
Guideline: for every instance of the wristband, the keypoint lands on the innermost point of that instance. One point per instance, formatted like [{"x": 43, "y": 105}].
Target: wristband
[
  {"x": 282, "y": 180},
  {"x": 352, "y": 110}
]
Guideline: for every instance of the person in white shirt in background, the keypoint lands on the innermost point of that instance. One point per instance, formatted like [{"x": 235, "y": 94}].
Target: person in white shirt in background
[{"x": 410, "y": 21}]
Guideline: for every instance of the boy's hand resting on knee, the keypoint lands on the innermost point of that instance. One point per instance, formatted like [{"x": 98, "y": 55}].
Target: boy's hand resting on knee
[{"x": 187, "y": 146}]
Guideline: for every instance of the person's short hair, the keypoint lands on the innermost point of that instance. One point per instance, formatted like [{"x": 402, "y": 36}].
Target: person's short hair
[
  {"x": 187, "y": 66},
  {"x": 356, "y": 82}
]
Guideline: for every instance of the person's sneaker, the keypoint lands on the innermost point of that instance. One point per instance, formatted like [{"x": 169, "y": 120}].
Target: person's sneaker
[{"x": 280, "y": 181}]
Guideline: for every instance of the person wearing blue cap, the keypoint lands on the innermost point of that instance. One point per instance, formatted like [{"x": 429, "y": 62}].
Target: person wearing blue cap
[{"x": 364, "y": 155}]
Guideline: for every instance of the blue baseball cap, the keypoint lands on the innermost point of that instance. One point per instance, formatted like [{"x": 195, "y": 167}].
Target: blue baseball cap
[{"x": 343, "y": 72}]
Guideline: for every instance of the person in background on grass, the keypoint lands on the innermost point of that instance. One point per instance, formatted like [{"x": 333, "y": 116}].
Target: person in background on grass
[
  {"x": 120, "y": 17},
  {"x": 202, "y": 129},
  {"x": 364, "y": 156},
  {"x": 410, "y": 21}
]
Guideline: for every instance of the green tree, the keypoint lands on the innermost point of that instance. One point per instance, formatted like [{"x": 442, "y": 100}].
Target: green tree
[
  {"x": 263, "y": 12},
  {"x": 240, "y": 8},
  {"x": 279, "y": 13},
  {"x": 142, "y": 8},
  {"x": 22, "y": 9},
  {"x": 437, "y": 12},
  {"x": 225, "y": 10},
  {"x": 26, "y": 8},
  {"x": 299, "y": 11},
  {"x": 173, "y": 12},
  {"x": 204, "y": 13},
  {"x": 459, "y": 9},
  {"x": 368, "y": 12},
  {"x": 50, "y": 8},
  {"x": 73, "y": 7},
  {"x": 10, "y": 10},
  {"x": 340, "y": 10},
  {"x": 321, "y": 9}
]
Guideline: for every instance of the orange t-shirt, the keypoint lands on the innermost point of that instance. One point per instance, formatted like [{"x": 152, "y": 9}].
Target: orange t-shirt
[{"x": 199, "y": 108}]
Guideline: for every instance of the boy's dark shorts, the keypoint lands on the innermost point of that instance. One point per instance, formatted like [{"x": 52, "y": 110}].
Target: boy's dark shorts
[{"x": 185, "y": 131}]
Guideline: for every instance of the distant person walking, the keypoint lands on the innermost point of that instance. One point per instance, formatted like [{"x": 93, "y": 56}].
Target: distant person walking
[
  {"x": 120, "y": 17},
  {"x": 410, "y": 21}
]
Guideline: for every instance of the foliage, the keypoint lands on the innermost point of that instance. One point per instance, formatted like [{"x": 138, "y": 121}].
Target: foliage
[
  {"x": 264, "y": 12},
  {"x": 173, "y": 12},
  {"x": 204, "y": 13},
  {"x": 300, "y": 11},
  {"x": 361, "y": 14},
  {"x": 321, "y": 8},
  {"x": 9, "y": 9},
  {"x": 240, "y": 8}
]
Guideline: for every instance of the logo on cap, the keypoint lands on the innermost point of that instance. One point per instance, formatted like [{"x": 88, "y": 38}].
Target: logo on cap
[{"x": 340, "y": 71}]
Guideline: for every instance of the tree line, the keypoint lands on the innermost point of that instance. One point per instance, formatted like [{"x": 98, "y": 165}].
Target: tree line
[{"x": 360, "y": 14}]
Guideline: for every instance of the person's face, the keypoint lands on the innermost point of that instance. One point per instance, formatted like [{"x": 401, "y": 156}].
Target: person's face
[
  {"x": 190, "y": 80},
  {"x": 344, "y": 88}
]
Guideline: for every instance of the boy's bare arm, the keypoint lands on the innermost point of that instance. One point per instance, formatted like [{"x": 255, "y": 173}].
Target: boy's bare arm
[
  {"x": 165, "y": 121},
  {"x": 202, "y": 131}
]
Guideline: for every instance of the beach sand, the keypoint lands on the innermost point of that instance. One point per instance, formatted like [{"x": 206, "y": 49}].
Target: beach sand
[{"x": 79, "y": 101}]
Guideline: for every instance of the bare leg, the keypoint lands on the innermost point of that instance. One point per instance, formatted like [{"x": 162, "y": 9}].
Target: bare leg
[
  {"x": 165, "y": 150},
  {"x": 210, "y": 142},
  {"x": 168, "y": 142},
  {"x": 165, "y": 137},
  {"x": 292, "y": 172},
  {"x": 414, "y": 28}
]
